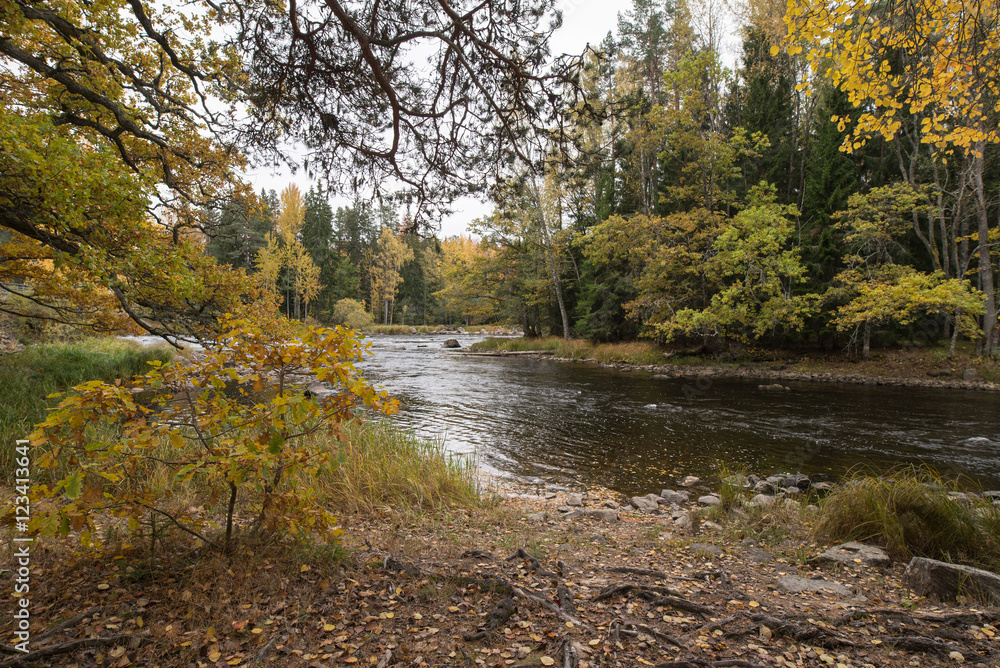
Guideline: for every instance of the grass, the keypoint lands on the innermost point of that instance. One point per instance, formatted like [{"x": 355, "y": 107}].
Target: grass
[
  {"x": 909, "y": 512},
  {"x": 631, "y": 352},
  {"x": 385, "y": 467},
  {"x": 432, "y": 329},
  {"x": 28, "y": 377}
]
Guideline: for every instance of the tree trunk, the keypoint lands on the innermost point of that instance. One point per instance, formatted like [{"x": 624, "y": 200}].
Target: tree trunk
[
  {"x": 553, "y": 270},
  {"x": 985, "y": 263},
  {"x": 866, "y": 341}
]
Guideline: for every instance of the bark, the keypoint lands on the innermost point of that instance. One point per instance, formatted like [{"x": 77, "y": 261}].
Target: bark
[{"x": 985, "y": 263}]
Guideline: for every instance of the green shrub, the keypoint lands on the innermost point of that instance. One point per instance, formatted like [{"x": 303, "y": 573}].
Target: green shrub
[
  {"x": 910, "y": 512},
  {"x": 352, "y": 313}
]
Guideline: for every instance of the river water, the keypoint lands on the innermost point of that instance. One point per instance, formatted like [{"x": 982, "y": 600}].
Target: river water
[{"x": 558, "y": 424}]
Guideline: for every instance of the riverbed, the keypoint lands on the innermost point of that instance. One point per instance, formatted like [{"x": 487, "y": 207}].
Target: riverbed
[{"x": 562, "y": 425}]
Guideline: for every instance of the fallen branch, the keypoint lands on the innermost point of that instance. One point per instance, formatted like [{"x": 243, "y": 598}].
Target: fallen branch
[
  {"x": 66, "y": 647},
  {"x": 72, "y": 621}
]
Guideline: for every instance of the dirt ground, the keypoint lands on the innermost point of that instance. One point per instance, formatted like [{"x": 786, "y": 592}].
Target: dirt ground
[{"x": 495, "y": 588}]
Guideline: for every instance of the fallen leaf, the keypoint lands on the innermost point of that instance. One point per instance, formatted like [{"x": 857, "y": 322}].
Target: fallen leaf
[{"x": 547, "y": 661}]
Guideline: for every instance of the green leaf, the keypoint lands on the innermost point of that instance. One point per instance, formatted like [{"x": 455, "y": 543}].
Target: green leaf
[
  {"x": 73, "y": 486},
  {"x": 274, "y": 445}
]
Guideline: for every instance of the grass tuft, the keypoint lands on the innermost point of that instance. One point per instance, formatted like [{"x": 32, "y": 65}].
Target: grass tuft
[
  {"x": 909, "y": 512},
  {"x": 384, "y": 466}
]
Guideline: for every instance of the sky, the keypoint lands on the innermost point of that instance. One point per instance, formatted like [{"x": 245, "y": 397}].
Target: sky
[{"x": 584, "y": 21}]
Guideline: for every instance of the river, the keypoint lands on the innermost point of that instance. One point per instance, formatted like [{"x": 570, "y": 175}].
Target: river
[{"x": 563, "y": 425}]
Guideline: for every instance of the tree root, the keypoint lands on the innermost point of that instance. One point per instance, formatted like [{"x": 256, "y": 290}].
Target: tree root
[
  {"x": 66, "y": 647},
  {"x": 496, "y": 619},
  {"x": 533, "y": 564}
]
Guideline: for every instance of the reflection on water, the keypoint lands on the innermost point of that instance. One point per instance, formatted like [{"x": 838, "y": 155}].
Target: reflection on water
[{"x": 579, "y": 424}]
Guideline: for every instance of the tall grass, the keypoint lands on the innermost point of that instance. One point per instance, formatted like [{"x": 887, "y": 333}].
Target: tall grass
[
  {"x": 28, "y": 377},
  {"x": 384, "y": 466},
  {"x": 910, "y": 512},
  {"x": 630, "y": 352}
]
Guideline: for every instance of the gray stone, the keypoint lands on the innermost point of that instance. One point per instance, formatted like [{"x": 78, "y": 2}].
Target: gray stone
[
  {"x": 792, "y": 491},
  {"x": 536, "y": 517},
  {"x": 678, "y": 498},
  {"x": 575, "y": 500},
  {"x": 613, "y": 505},
  {"x": 563, "y": 509},
  {"x": 594, "y": 513},
  {"x": 929, "y": 577},
  {"x": 644, "y": 504},
  {"x": 709, "y": 500},
  {"x": 736, "y": 480},
  {"x": 548, "y": 496},
  {"x": 846, "y": 553},
  {"x": 683, "y": 521},
  {"x": 992, "y": 494},
  {"x": 690, "y": 480},
  {"x": 793, "y": 584},
  {"x": 822, "y": 487},
  {"x": 970, "y": 375},
  {"x": 800, "y": 480},
  {"x": 775, "y": 387},
  {"x": 765, "y": 487},
  {"x": 757, "y": 555},
  {"x": 762, "y": 500},
  {"x": 707, "y": 548},
  {"x": 452, "y": 343}
]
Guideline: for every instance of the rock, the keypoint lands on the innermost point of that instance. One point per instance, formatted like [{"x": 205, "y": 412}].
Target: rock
[
  {"x": 682, "y": 521},
  {"x": 413, "y": 330},
  {"x": 707, "y": 548},
  {"x": 660, "y": 376},
  {"x": 676, "y": 498},
  {"x": 940, "y": 373},
  {"x": 929, "y": 577},
  {"x": 548, "y": 496},
  {"x": 757, "y": 555},
  {"x": 970, "y": 375},
  {"x": 593, "y": 513},
  {"x": 847, "y": 553},
  {"x": 765, "y": 487},
  {"x": 793, "y": 584},
  {"x": 709, "y": 500},
  {"x": 536, "y": 517},
  {"x": 762, "y": 500},
  {"x": 613, "y": 505},
  {"x": 563, "y": 509},
  {"x": 575, "y": 500},
  {"x": 992, "y": 494},
  {"x": 452, "y": 343},
  {"x": 737, "y": 480},
  {"x": 690, "y": 480},
  {"x": 799, "y": 480},
  {"x": 792, "y": 491},
  {"x": 957, "y": 657},
  {"x": 644, "y": 504},
  {"x": 776, "y": 387},
  {"x": 822, "y": 487}
]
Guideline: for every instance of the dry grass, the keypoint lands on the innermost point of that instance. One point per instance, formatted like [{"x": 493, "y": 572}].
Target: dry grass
[
  {"x": 630, "y": 352},
  {"x": 911, "y": 513}
]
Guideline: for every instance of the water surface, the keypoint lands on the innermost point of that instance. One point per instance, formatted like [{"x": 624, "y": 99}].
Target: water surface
[{"x": 581, "y": 425}]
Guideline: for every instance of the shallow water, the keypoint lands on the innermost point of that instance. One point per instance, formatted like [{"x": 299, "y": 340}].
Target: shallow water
[{"x": 559, "y": 424}]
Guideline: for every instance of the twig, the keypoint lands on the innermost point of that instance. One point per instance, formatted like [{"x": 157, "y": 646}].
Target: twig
[
  {"x": 660, "y": 635},
  {"x": 263, "y": 650},
  {"x": 72, "y": 621},
  {"x": 63, "y": 648}
]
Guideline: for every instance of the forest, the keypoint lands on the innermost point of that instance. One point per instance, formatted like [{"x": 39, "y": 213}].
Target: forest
[{"x": 784, "y": 202}]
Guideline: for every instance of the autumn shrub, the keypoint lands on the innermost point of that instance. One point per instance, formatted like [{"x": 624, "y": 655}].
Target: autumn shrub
[
  {"x": 236, "y": 422},
  {"x": 351, "y": 313},
  {"x": 27, "y": 378},
  {"x": 383, "y": 466},
  {"x": 912, "y": 512},
  {"x": 632, "y": 352}
]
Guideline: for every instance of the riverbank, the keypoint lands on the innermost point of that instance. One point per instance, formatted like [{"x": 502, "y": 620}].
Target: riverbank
[
  {"x": 517, "y": 583},
  {"x": 915, "y": 367}
]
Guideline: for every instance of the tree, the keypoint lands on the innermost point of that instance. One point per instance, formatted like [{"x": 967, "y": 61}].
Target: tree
[
  {"x": 385, "y": 263},
  {"x": 465, "y": 292},
  {"x": 936, "y": 63},
  {"x": 284, "y": 263},
  {"x": 124, "y": 123}
]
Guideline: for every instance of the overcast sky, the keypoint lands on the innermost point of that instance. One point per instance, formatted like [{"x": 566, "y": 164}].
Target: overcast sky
[{"x": 584, "y": 21}]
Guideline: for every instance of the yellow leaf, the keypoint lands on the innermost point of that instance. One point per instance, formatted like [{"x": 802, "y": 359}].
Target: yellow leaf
[
  {"x": 547, "y": 661},
  {"x": 595, "y": 642},
  {"x": 304, "y": 569},
  {"x": 257, "y": 631},
  {"x": 214, "y": 656},
  {"x": 328, "y": 627}
]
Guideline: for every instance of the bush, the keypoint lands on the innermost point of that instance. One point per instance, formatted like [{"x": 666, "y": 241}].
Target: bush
[
  {"x": 910, "y": 512},
  {"x": 235, "y": 423},
  {"x": 352, "y": 313}
]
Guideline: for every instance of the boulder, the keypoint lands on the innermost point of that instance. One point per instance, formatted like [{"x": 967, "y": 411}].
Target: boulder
[
  {"x": 575, "y": 500},
  {"x": 644, "y": 504},
  {"x": 709, "y": 500},
  {"x": 613, "y": 505},
  {"x": 757, "y": 555},
  {"x": 929, "y": 577},
  {"x": 822, "y": 487},
  {"x": 690, "y": 480},
  {"x": 792, "y": 491},
  {"x": 776, "y": 387},
  {"x": 676, "y": 498},
  {"x": 793, "y": 584},
  {"x": 706, "y": 548},
  {"x": 799, "y": 480},
  {"x": 992, "y": 494},
  {"x": 852, "y": 552},
  {"x": 762, "y": 500},
  {"x": 537, "y": 518},
  {"x": 452, "y": 343},
  {"x": 549, "y": 496},
  {"x": 765, "y": 487}
]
